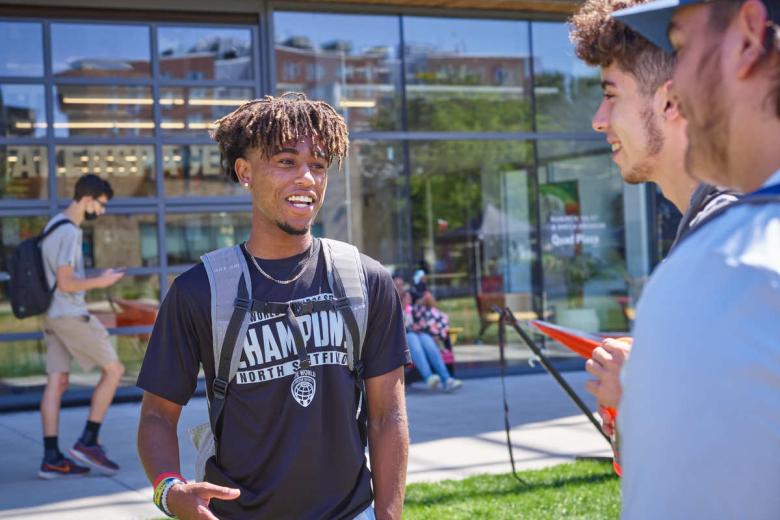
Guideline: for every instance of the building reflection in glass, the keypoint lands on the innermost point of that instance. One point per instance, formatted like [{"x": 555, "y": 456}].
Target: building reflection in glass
[
  {"x": 23, "y": 172},
  {"x": 21, "y": 49},
  {"x": 129, "y": 168},
  {"x": 22, "y": 111},
  {"x": 100, "y": 50},
  {"x": 194, "y": 170},
  {"x": 189, "y": 235},
  {"x": 467, "y": 75},
  {"x": 350, "y": 61},
  {"x": 192, "y": 110},
  {"x": 205, "y": 53}
]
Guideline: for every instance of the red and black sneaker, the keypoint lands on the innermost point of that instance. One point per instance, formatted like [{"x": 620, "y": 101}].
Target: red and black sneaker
[
  {"x": 61, "y": 468},
  {"x": 94, "y": 457}
]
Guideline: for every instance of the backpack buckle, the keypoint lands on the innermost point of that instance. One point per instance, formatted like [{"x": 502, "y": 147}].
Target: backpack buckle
[
  {"x": 341, "y": 303},
  {"x": 300, "y": 308},
  {"x": 243, "y": 304},
  {"x": 219, "y": 387}
]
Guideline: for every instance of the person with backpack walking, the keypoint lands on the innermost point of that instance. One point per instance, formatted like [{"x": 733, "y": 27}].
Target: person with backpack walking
[
  {"x": 298, "y": 338},
  {"x": 71, "y": 332},
  {"x": 642, "y": 122},
  {"x": 699, "y": 414}
]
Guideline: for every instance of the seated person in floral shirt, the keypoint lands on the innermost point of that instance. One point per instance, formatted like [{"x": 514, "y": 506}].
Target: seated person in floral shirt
[{"x": 423, "y": 324}]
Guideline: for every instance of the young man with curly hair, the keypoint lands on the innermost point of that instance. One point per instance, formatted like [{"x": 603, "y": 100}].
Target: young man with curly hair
[
  {"x": 285, "y": 450},
  {"x": 646, "y": 130}
]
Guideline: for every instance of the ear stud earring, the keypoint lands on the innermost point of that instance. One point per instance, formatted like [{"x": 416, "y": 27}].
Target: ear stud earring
[{"x": 246, "y": 185}]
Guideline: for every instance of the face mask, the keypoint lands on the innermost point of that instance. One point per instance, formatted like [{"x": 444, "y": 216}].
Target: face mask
[{"x": 90, "y": 216}]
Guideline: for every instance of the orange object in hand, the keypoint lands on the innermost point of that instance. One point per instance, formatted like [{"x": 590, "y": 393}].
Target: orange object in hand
[
  {"x": 610, "y": 415},
  {"x": 583, "y": 344}
]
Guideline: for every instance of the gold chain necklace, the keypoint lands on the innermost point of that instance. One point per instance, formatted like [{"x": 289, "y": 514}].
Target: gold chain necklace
[{"x": 283, "y": 282}]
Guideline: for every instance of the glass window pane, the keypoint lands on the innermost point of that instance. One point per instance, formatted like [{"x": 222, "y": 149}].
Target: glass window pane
[
  {"x": 131, "y": 302},
  {"x": 26, "y": 362},
  {"x": 129, "y": 168},
  {"x": 568, "y": 91},
  {"x": 334, "y": 219},
  {"x": 121, "y": 241},
  {"x": 23, "y": 172},
  {"x": 13, "y": 230},
  {"x": 97, "y": 110},
  {"x": 472, "y": 227},
  {"x": 100, "y": 51},
  {"x": 22, "y": 359},
  {"x": 350, "y": 61},
  {"x": 194, "y": 170},
  {"x": 583, "y": 236},
  {"x": 379, "y": 206},
  {"x": 22, "y": 111},
  {"x": 205, "y": 53},
  {"x": 21, "y": 49},
  {"x": 193, "y": 110},
  {"x": 188, "y": 236},
  {"x": 467, "y": 75}
]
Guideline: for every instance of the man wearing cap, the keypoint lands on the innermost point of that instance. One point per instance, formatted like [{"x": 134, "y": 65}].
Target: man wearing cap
[{"x": 700, "y": 414}]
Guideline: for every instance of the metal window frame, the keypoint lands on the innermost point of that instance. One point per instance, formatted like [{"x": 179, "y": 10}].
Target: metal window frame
[
  {"x": 264, "y": 82},
  {"x": 158, "y": 204}
]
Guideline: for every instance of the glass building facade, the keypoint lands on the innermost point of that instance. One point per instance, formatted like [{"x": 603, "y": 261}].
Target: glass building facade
[{"x": 471, "y": 156}]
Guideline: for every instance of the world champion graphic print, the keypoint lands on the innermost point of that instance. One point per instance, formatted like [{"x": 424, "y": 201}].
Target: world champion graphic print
[{"x": 270, "y": 352}]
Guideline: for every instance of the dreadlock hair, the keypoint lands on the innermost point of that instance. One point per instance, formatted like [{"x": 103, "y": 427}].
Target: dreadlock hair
[
  {"x": 272, "y": 122},
  {"x": 600, "y": 40}
]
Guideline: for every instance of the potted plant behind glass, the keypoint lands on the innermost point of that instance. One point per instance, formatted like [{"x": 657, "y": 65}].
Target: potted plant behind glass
[{"x": 575, "y": 271}]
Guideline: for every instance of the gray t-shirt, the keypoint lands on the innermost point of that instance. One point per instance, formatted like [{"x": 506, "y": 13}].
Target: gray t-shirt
[{"x": 63, "y": 247}]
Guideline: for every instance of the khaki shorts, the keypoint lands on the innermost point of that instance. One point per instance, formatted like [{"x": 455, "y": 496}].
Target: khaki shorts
[{"x": 82, "y": 338}]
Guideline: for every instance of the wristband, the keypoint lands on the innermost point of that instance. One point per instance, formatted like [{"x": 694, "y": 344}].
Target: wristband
[
  {"x": 164, "y": 501},
  {"x": 161, "y": 492},
  {"x": 162, "y": 476}
]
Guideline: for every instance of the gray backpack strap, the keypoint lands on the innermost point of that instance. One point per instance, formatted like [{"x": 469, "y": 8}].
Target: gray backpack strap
[
  {"x": 350, "y": 291},
  {"x": 348, "y": 283},
  {"x": 231, "y": 301}
]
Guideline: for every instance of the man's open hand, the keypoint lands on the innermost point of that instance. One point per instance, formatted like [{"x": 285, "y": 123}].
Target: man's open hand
[{"x": 191, "y": 501}]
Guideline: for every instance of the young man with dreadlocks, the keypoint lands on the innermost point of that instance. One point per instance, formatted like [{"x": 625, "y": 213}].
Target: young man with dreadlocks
[
  {"x": 642, "y": 122},
  {"x": 281, "y": 453}
]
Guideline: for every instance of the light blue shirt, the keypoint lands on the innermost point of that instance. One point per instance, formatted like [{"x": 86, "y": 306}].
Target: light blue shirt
[
  {"x": 700, "y": 415},
  {"x": 63, "y": 247}
]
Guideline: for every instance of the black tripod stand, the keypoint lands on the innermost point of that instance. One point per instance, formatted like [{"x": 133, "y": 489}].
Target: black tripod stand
[{"x": 506, "y": 315}]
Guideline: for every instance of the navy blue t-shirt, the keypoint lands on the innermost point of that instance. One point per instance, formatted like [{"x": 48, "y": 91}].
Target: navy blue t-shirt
[{"x": 290, "y": 442}]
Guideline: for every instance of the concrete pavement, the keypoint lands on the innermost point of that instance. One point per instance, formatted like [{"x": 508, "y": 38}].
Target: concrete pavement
[{"x": 452, "y": 436}]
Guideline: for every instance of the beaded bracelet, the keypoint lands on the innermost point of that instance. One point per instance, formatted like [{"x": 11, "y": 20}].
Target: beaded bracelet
[
  {"x": 163, "y": 484},
  {"x": 164, "y": 501}
]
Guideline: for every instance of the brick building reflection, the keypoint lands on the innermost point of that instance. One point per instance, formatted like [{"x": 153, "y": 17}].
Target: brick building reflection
[{"x": 363, "y": 84}]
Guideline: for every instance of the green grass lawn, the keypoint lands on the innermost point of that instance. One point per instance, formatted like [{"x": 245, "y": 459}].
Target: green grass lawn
[{"x": 578, "y": 490}]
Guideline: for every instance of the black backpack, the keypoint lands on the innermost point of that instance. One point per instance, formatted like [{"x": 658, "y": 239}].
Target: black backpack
[{"x": 28, "y": 288}]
